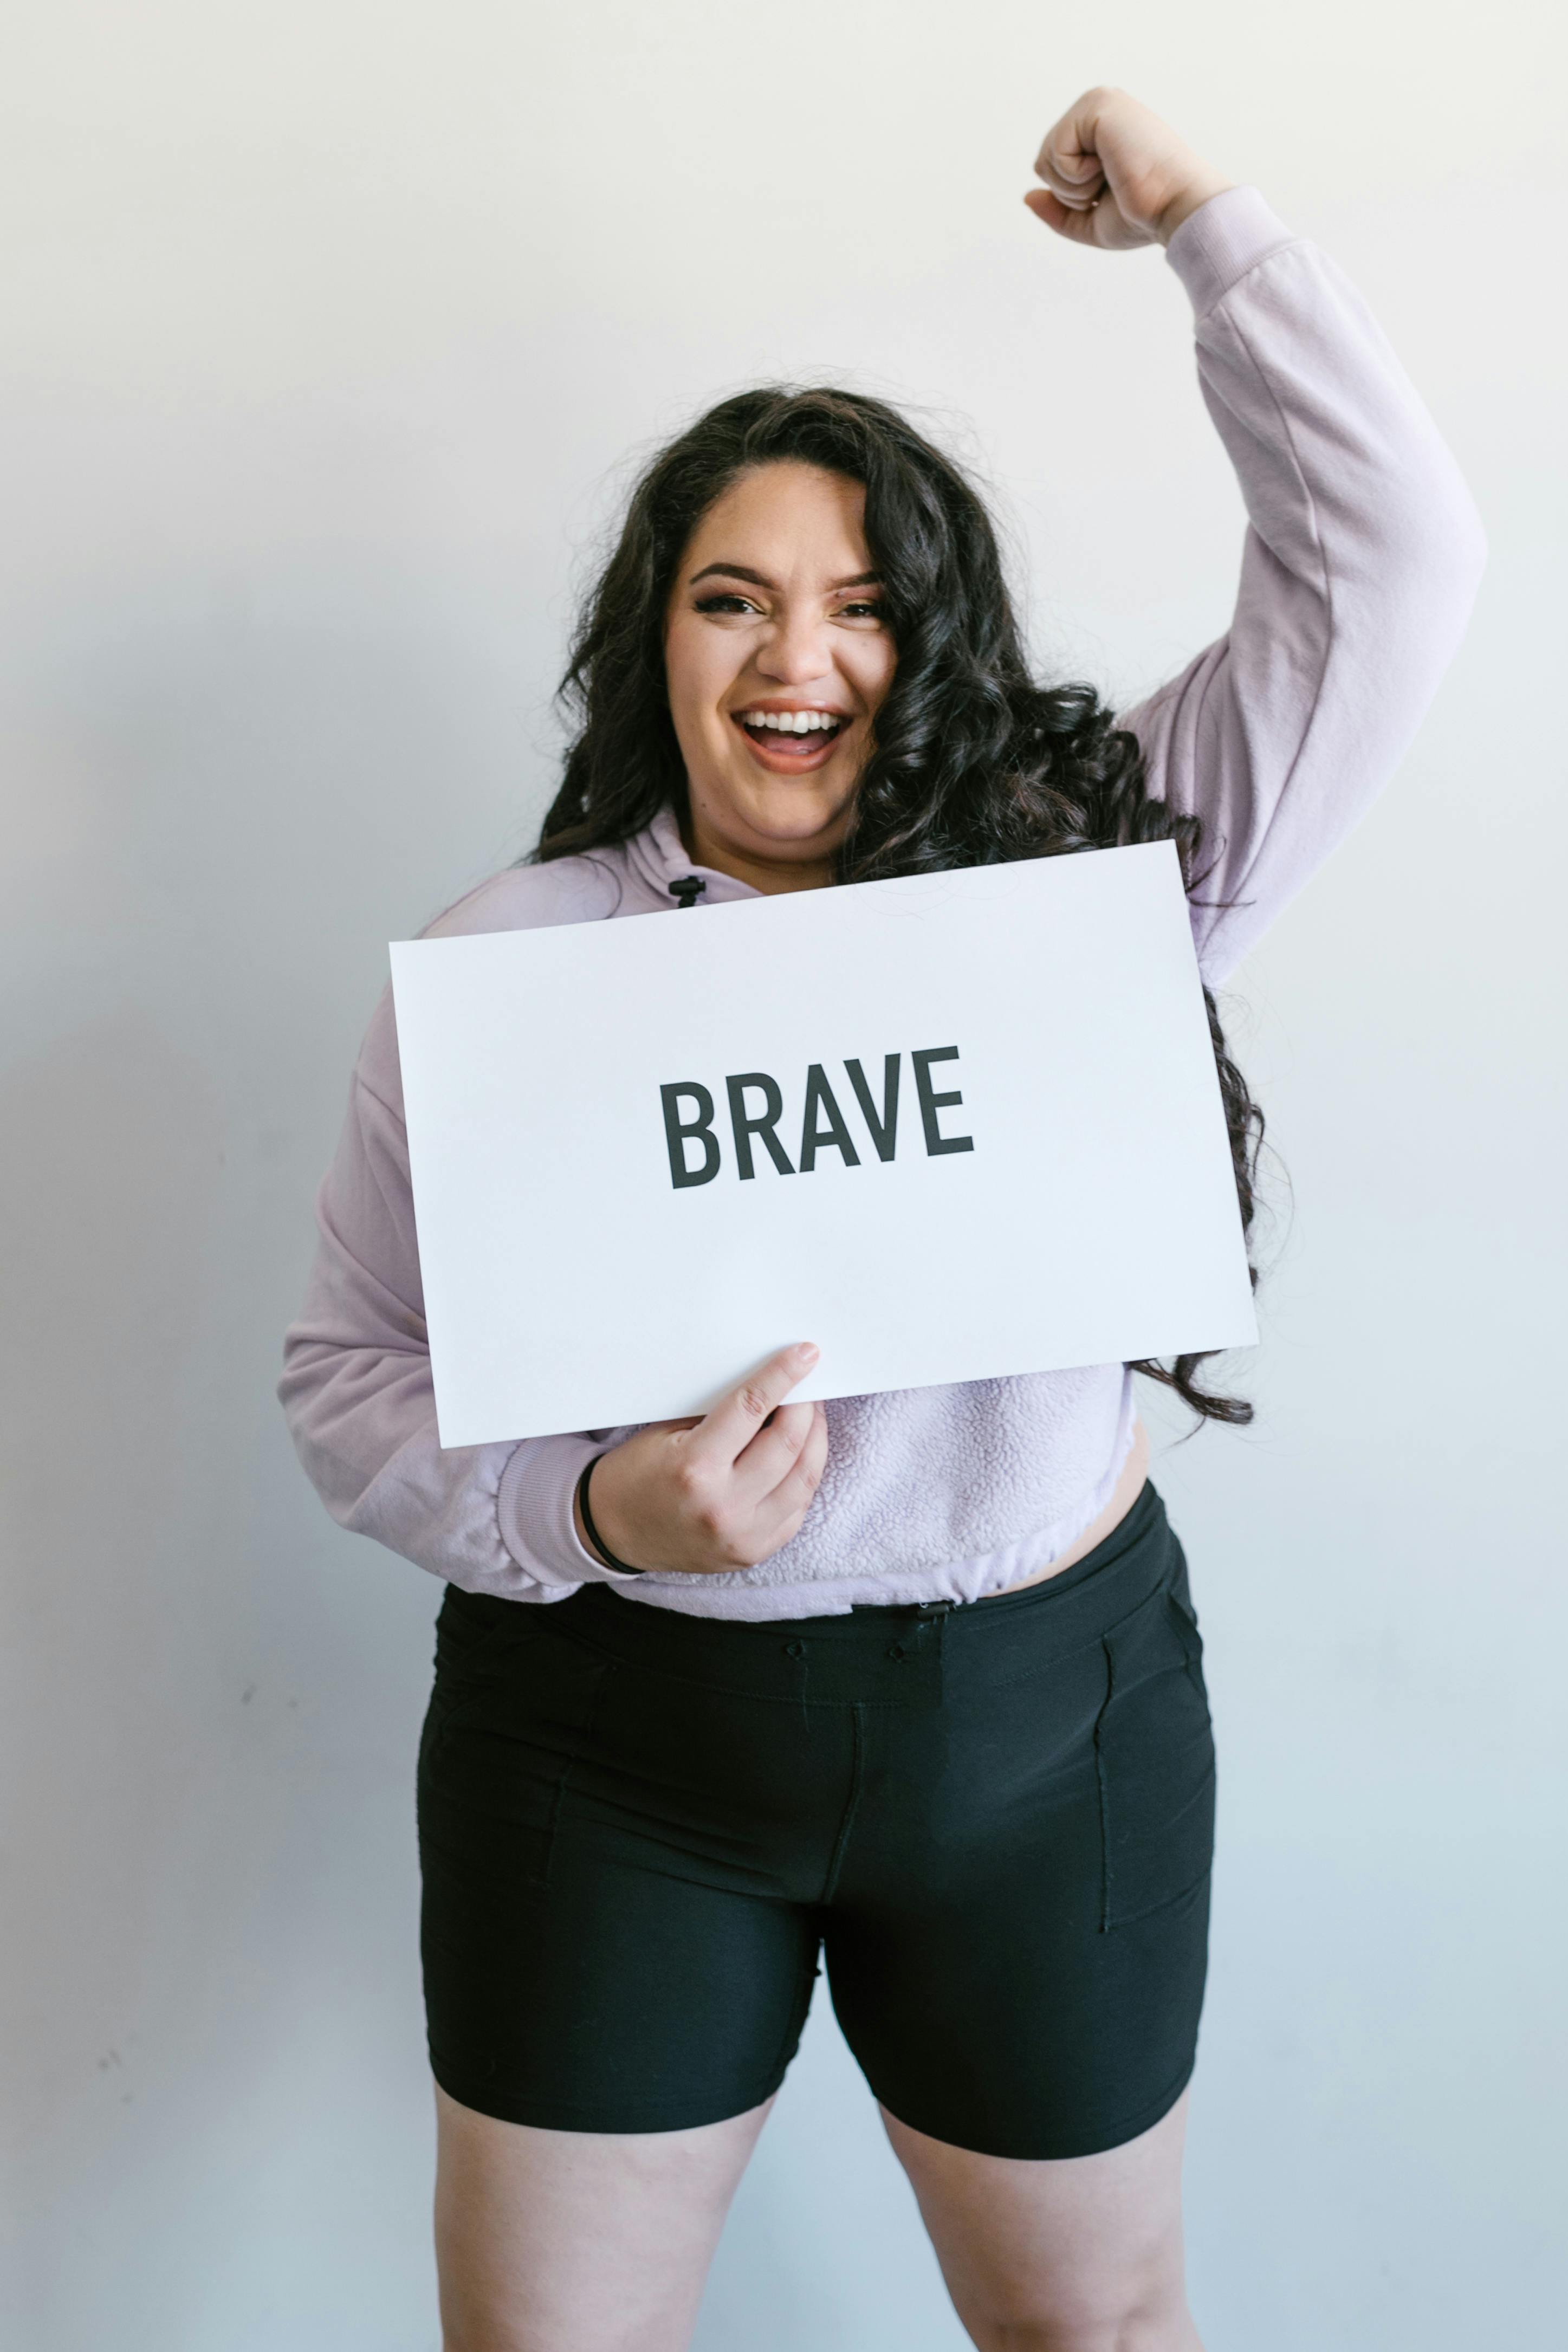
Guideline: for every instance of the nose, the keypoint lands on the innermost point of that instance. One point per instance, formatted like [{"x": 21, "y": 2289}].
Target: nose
[{"x": 798, "y": 652}]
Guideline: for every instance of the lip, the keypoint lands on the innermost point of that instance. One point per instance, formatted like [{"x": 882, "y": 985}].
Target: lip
[
  {"x": 793, "y": 761},
  {"x": 779, "y": 703}
]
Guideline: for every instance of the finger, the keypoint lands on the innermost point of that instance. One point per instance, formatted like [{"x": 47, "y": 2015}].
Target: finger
[
  {"x": 1077, "y": 189},
  {"x": 793, "y": 1493},
  {"x": 1068, "y": 153},
  {"x": 772, "y": 1452},
  {"x": 1077, "y": 200},
  {"x": 1082, "y": 227},
  {"x": 739, "y": 1415}
]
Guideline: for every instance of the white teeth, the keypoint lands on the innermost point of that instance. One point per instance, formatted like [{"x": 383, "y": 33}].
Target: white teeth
[{"x": 791, "y": 722}]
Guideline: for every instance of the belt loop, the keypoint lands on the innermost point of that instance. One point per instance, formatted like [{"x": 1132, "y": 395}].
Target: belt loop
[
  {"x": 927, "y": 1638},
  {"x": 802, "y": 1656},
  {"x": 941, "y": 1619}
]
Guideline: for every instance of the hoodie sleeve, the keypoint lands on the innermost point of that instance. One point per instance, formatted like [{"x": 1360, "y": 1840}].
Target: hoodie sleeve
[
  {"x": 1363, "y": 553},
  {"x": 357, "y": 1394}
]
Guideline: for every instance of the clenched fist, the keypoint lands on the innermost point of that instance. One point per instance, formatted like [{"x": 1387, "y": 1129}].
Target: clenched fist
[{"x": 1117, "y": 176}]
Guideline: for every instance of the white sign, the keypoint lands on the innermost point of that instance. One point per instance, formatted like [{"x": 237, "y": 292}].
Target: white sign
[{"x": 949, "y": 1129}]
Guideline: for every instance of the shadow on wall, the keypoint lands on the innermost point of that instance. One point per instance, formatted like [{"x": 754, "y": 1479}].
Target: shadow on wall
[
  {"x": 213, "y": 1696},
  {"x": 211, "y": 1958},
  {"x": 107, "y": 1195}
]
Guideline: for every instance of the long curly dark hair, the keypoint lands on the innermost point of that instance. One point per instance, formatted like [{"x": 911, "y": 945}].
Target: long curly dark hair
[{"x": 972, "y": 762}]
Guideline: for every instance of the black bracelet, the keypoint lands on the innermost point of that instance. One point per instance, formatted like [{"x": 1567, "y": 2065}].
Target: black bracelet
[{"x": 596, "y": 1539}]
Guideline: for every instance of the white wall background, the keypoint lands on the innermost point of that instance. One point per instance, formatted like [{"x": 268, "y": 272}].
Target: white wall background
[{"x": 325, "y": 326}]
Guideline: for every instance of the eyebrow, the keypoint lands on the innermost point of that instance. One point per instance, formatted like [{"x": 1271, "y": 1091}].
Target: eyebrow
[{"x": 760, "y": 579}]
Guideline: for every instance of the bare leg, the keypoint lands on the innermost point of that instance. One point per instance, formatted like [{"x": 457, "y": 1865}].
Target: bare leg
[
  {"x": 1080, "y": 2255},
  {"x": 578, "y": 2242}
]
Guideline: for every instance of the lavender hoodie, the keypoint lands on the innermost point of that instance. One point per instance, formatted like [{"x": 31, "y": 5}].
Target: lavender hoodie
[{"x": 1360, "y": 562}]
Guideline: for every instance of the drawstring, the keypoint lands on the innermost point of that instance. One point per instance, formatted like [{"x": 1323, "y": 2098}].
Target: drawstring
[{"x": 687, "y": 890}]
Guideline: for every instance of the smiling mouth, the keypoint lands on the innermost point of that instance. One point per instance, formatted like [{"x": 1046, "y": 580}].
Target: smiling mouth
[{"x": 791, "y": 738}]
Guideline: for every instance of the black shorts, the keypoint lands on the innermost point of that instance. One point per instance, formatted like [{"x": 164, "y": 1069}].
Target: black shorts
[{"x": 637, "y": 1830}]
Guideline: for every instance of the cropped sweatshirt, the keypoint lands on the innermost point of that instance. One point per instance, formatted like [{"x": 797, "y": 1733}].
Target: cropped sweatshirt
[{"x": 1361, "y": 560}]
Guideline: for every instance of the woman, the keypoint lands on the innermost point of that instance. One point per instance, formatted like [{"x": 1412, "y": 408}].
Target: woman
[{"x": 915, "y": 1679}]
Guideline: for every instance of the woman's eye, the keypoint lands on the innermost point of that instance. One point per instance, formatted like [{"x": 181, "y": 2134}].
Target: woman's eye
[
  {"x": 725, "y": 604},
  {"x": 861, "y": 611}
]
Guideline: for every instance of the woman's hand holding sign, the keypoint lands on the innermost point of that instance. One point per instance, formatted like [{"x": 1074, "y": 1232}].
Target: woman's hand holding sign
[{"x": 704, "y": 1497}]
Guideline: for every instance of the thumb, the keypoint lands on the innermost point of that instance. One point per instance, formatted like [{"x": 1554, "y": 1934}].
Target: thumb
[{"x": 1080, "y": 226}]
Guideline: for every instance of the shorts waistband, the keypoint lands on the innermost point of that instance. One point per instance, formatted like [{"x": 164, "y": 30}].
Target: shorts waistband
[{"x": 897, "y": 1656}]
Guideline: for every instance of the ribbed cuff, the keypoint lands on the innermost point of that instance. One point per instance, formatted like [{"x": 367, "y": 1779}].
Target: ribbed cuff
[
  {"x": 1222, "y": 241},
  {"x": 533, "y": 1511}
]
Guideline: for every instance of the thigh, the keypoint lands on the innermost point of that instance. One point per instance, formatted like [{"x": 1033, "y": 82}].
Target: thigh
[
  {"x": 610, "y": 2000},
  {"x": 596, "y": 2240},
  {"x": 1018, "y": 1945},
  {"x": 1079, "y": 2250},
  {"x": 583, "y": 1971}
]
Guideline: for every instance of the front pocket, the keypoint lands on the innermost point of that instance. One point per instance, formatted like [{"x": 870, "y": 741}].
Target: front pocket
[
  {"x": 469, "y": 1628},
  {"x": 1154, "y": 1755},
  {"x": 500, "y": 1743}
]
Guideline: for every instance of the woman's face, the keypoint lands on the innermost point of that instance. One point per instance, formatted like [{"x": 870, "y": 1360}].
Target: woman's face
[{"x": 777, "y": 660}]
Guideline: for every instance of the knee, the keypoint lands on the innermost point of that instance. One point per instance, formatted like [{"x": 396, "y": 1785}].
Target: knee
[
  {"x": 1155, "y": 2320},
  {"x": 478, "y": 2334}
]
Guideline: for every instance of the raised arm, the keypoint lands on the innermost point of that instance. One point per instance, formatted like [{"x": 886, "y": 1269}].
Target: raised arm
[{"x": 1362, "y": 549}]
